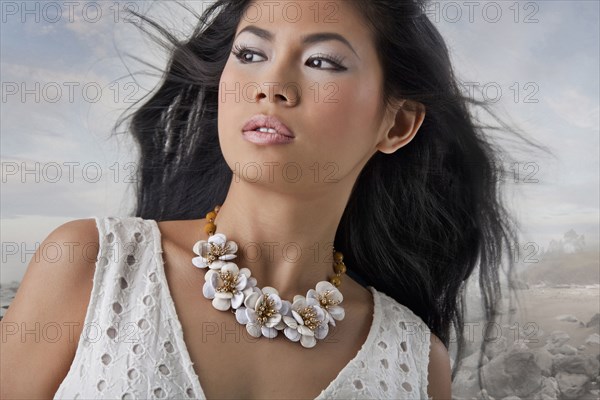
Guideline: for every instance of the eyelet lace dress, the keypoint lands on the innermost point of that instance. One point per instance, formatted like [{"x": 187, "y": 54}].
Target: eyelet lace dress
[{"x": 132, "y": 344}]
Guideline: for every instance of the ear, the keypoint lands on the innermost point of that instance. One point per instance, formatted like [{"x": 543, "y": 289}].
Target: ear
[{"x": 406, "y": 119}]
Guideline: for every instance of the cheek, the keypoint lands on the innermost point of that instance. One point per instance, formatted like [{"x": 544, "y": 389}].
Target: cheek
[{"x": 348, "y": 111}]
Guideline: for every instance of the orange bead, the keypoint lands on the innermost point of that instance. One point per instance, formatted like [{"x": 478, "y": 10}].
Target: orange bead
[
  {"x": 211, "y": 216},
  {"x": 340, "y": 268},
  {"x": 210, "y": 228},
  {"x": 335, "y": 280},
  {"x": 338, "y": 256}
]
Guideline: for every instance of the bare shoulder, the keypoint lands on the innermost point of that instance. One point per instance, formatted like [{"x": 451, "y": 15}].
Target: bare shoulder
[
  {"x": 439, "y": 371},
  {"x": 45, "y": 319}
]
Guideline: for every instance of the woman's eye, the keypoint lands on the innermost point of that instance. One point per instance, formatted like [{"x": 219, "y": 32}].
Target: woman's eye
[
  {"x": 241, "y": 53},
  {"x": 244, "y": 54}
]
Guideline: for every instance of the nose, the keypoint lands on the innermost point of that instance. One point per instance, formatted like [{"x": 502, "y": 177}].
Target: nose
[{"x": 282, "y": 91}]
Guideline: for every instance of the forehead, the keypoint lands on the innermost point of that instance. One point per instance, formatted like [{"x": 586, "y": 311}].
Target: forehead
[{"x": 288, "y": 19}]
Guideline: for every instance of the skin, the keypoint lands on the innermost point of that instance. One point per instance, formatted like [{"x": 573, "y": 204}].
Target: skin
[{"x": 303, "y": 214}]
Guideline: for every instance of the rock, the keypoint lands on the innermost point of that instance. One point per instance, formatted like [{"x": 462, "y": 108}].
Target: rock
[
  {"x": 572, "y": 386},
  {"x": 472, "y": 361},
  {"x": 543, "y": 358},
  {"x": 513, "y": 373},
  {"x": 465, "y": 384},
  {"x": 595, "y": 321},
  {"x": 493, "y": 348},
  {"x": 567, "y": 318},
  {"x": 548, "y": 391},
  {"x": 567, "y": 350},
  {"x": 581, "y": 347},
  {"x": 558, "y": 338},
  {"x": 579, "y": 364},
  {"x": 483, "y": 394},
  {"x": 512, "y": 398},
  {"x": 593, "y": 339},
  {"x": 595, "y": 392}
]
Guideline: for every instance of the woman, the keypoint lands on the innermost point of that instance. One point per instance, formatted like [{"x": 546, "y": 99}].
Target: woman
[{"x": 294, "y": 128}]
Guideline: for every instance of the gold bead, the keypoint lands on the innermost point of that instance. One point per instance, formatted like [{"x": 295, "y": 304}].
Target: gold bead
[
  {"x": 338, "y": 256},
  {"x": 335, "y": 280},
  {"x": 340, "y": 268},
  {"x": 217, "y": 208},
  {"x": 211, "y": 216},
  {"x": 210, "y": 228}
]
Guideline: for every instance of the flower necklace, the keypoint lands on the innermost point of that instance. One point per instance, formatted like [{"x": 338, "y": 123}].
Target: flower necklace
[{"x": 262, "y": 311}]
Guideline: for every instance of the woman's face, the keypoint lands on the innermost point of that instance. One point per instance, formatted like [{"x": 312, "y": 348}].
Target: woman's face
[{"x": 326, "y": 92}]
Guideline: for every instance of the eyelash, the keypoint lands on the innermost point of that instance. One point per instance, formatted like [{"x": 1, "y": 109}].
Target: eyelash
[{"x": 240, "y": 50}]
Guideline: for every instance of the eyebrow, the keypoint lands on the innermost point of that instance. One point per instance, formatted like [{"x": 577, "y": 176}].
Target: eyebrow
[{"x": 305, "y": 39}]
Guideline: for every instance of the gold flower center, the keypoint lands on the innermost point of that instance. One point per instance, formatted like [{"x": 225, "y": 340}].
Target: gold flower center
[
  {"x": 228, "y": 282},
  {"x": 265, "y": 310},
  {"x": 326, "y": 302},
  {"x": 215, "y": 252},
  {"x": 309, "y": 316}
]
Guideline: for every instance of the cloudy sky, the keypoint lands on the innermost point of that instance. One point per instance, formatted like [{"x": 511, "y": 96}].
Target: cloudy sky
[{"x": 65, "y": 72}]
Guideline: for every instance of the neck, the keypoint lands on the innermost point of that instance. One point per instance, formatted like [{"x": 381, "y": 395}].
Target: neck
[{"x": 285, "y": 239}]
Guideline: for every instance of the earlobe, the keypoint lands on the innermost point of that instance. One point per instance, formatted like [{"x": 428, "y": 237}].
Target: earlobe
[{"x": 409, "y": 117}]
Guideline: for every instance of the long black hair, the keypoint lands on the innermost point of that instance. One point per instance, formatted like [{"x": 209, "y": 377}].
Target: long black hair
[{"x": 435, "y": 210}]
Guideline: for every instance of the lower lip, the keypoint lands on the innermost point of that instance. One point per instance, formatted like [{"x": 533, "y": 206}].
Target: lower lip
[{"x": 258, "y": 137}]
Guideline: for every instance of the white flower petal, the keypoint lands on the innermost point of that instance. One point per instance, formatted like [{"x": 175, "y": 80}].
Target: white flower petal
[
  {"x": 237, "y": 300},
  {"x": 297, "y": 317},
  {"x": 251, "y": 314},
  {"x": 336, "y": 296},
  {"x": 242, "y": 280},
  {"x": 221, "y": 304},
  {"x": 297, "y": 298},
  {"x": 269, "y": 332},
  {"x": 270, "y": 290},
  {"x": 218, "y": 239},
  {"x": 337, "y": 312},
  {"x": 289, "y": 321},
  {"x": 217, "y": 264},
  {"x": 299, "y": 303},
  {"x": 232, "y": 247},
  {"x": 208, "y": 274},
  {"x": 273, "y": 320},
  {"x": 251, "y": 300},
  {"x": 305, "y": 330},
  {"x": 312, "y": 302},
  {"x": 214, "y": 280},
  {"x": 240, "y": 315},
  {"x": 198, "y": 247},
  {"x": 224, "y": 295},
  {"x": 324, "y": 286},
  {"x": 208, "y": 291},
  {"x": 199, "y": 262},
  {"x": 286, "y": 307},
  {"x": 246, "y": 272},
  {"x": 292, "y": 334},
  {"x": 230, "y": 267},
  {"x": 281, "y": 325},
  {"x": 252, "y": 281},
  {"x": 320, "y": 313},
  {"x": 322, "y": 331},
  {"x": 308, "y": 341},
  {"x": 227, "y": 257},
  {"x": 312, "y": 293},
  {"x": 276, "y": 301},
  {"x": 254, "y": 329}
]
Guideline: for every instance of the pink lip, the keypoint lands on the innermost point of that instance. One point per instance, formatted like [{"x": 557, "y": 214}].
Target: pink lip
[
  {"x": 263, "y": 138},
  {"x": 267, "y": 121}
]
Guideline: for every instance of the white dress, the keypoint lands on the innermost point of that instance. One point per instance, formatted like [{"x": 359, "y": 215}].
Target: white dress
[{"x": 132, "y": 344}]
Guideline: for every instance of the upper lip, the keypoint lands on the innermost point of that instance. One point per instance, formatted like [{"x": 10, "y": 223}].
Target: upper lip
[{"x": 267, "y": 121}]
